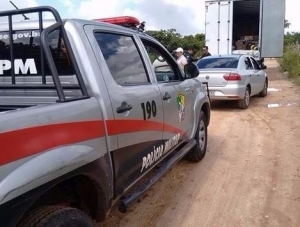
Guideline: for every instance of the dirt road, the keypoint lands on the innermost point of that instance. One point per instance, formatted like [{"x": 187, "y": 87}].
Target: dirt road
[{"x": 250, "y": 175}]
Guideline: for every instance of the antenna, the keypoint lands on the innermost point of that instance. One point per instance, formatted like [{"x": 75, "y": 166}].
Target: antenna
[{"x": 26, "y": 18}]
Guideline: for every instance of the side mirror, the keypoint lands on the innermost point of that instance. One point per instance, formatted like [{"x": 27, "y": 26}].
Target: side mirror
[{"x": 191, "y": 70}]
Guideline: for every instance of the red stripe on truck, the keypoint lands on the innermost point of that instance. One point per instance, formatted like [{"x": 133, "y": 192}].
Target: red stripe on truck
[
  {"x": 25, "y": 142},
  {"x": 29, "y": 141}
]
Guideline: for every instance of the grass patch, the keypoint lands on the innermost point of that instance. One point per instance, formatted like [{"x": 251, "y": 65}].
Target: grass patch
[
  {"x": 291, "y": 62},
  {"x": 295, "y": 80}
]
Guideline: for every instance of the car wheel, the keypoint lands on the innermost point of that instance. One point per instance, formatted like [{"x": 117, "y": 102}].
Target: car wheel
[
  {"x": 58, "y": 216},
  {"x": 264, "y": 92},
  {"x": 244, "y": 103},
  {"x": 198, "y": 152}
]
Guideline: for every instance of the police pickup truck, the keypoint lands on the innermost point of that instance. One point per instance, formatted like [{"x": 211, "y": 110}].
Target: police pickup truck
[{"x": 85, "y": 116}]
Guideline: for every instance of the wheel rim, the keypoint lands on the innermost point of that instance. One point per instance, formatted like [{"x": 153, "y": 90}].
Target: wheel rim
[
  {"x": 202, "y": 135},
  {"x": 247, "y": 97}
]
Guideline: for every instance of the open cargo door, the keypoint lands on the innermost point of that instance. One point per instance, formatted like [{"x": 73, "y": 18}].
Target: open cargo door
[
  {"x": 272, "y": 28},
  {"x": 218, "y": 27}
]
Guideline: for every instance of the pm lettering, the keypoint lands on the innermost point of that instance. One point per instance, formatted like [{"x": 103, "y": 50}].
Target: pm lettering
[
  {"x": 20, "y": 67},
  {"x": 149, "y": 109}
]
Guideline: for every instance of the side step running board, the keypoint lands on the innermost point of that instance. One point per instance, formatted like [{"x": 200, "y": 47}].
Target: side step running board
[{"x": 128, "y": 199}]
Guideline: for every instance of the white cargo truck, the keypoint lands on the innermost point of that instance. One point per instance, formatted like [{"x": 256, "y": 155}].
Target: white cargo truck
[{"x": 254, "y": 27}]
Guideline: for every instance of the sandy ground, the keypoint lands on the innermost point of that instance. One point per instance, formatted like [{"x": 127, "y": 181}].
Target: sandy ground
[{"x": 250, "y": 175}]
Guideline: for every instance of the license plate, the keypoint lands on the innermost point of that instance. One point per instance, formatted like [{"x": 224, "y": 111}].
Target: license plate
[{"x": 211, "y": 93}]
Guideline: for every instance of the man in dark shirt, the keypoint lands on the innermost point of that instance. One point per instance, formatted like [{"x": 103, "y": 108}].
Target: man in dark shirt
[
  {"x": 189, "y": 55},
  {"x": 205, "y": 52}
]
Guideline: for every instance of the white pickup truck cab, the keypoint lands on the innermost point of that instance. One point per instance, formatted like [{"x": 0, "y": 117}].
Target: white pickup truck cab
[{"x": 84, "y": 116}]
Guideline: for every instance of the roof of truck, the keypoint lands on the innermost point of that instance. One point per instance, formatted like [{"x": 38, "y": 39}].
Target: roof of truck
[{"x": 34, "y": 24}]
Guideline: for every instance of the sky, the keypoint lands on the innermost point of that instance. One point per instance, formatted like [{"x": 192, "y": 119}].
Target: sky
[{"x": 187, "y": 17}]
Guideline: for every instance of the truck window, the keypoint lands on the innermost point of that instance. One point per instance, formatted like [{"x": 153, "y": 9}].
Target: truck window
[
  {"x": 160, "y": 60},
  {"x": 122, "y": 58},
  {"x": 27, "y": 54}
]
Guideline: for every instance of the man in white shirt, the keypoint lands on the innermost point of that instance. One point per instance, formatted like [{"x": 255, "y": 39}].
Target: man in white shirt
[{"x": 181, "y": 59}]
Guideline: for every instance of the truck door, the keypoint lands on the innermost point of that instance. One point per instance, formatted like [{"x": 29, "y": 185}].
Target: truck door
[
  {"x": 176, "y": 94},
  {"x": 218, "y": 27},
  {"x": 136, "y": 105},
  {"x": 272, "y": 28}
]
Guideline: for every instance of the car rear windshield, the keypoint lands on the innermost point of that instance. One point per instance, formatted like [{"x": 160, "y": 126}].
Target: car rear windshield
[{"x": 224, "y": 63}]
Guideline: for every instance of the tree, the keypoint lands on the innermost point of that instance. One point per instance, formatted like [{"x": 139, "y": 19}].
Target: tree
[
  {"x": 291, "y": 38},
  {"x": 171, "y": 39}
]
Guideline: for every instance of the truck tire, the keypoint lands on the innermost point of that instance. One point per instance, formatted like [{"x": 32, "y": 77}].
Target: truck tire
[
  {"x": 58, "y": 216},
  {"x": 244, "y": 103},
  {"x": 264, "y": 92},
  {"x": 198, "y": 152}
]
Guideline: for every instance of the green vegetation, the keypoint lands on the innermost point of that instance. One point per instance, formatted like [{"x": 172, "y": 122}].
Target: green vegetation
[
  {"x": 290, "y": 62},
  {"x": 172, "y": 39}
]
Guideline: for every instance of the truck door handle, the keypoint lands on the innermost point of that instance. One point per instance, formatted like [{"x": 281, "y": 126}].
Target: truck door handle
[
  {"x": 166, "y": 96},
  {"x": 124, "y": 107}
]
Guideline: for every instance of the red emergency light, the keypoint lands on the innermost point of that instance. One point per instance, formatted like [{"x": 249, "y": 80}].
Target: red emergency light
[{"x": 123, "y": 21}]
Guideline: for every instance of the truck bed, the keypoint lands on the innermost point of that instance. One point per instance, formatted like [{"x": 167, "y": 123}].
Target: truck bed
[
  {"x": 37, "y": 64},
  {"x": 29, "y": 91}
]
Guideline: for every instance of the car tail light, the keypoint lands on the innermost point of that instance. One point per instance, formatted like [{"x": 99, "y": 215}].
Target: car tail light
[{"x": 232, "y": 76}]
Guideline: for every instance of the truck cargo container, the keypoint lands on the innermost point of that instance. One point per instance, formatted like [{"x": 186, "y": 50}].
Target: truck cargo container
[{"x": 253, "y": 27}]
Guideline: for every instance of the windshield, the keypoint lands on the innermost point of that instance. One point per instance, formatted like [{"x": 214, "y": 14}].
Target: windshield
[{"x": 224, "y": 63}]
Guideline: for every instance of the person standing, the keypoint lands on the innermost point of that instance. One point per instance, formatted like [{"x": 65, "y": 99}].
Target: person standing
[
  {"x": 181, "y": 59},
  {"x": 205, "y": 52},
  {"x": 189, "y": 55}
]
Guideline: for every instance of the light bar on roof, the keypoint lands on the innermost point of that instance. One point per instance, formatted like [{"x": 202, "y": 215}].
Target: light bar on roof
[{"x": 123, "y": 20}]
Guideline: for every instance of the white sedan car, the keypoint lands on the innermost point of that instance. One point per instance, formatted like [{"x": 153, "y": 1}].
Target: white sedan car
[{"x": 233, "y": 77}]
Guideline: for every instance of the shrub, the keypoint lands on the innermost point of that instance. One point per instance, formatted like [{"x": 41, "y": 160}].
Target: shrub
[{"x": 291, "y": 60}]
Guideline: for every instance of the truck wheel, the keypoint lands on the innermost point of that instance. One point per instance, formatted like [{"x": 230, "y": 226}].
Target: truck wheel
[
  {"x": 244, "y": 103},
  {"x": 264, "y": 92},
  {"x": 58, "y": 216},
  {"x": 198, "y": 152}
]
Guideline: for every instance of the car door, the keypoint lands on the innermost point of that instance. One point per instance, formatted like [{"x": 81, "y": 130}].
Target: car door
[
  {"x": 250, "y": 73},
  {"x": 136, "y": 105},
  {"x": 176, "y": 94},
  {"x": 259, "y": 76}
]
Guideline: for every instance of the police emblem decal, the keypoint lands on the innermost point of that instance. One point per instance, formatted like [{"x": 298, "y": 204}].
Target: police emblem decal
[{"x": 181, "y": 106}]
